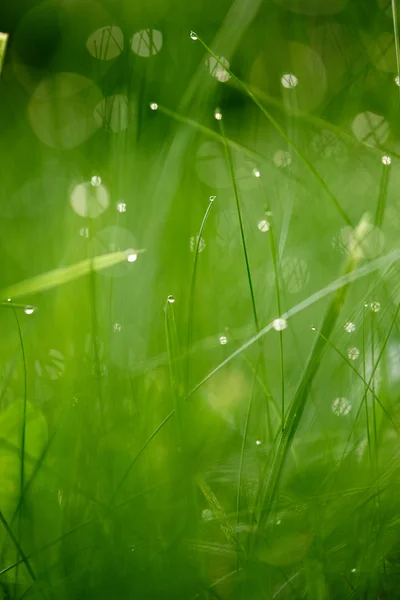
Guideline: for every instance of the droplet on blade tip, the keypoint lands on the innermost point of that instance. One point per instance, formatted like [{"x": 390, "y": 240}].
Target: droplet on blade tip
[
  {"x": 131, "y": 255},
  {"x": 28, "y": 310},
  {"x": 153, "y": 105},
  {"x": 218, "y": 114},
  {"x": 171, "y": 299},
  {"x": 95, "y": 181},
  {"x": 193, "y": 36}
]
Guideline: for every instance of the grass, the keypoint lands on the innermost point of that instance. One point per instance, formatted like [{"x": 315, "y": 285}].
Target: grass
[{"x": 160, "y": 435}]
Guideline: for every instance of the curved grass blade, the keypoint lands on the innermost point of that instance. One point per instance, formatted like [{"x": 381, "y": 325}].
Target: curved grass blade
[
  {"x": 63, "y": 275},
  {"x": 191, "y": 293}
]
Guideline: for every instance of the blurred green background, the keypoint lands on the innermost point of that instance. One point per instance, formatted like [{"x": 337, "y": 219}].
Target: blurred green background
[{"x": 137, "y": 454}]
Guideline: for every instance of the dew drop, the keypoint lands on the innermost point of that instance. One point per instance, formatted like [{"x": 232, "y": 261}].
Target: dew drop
[
  {"x": 256, "y": 173},
  {"x": 121, "y": 207},
  {"x": 84, "y": 232},
  {"x": 8, "y": 299},
  {"x": 353, "y": 353},
  {"x": 289, "y": 80},
  {"x": 217, "y": 114},
  {"x": 131, "y": 255},
  {"x": 258, "y": 442},
  {"x": 375, "y": 306},
  {"x": 349, "y": 327},
  {"x": 263, "y": 226},
  {"x": 193, "y": 36},
  {"x": 171, "y": 299},
  {"x": 278, "y": 521},
  {"x": 341, "y": 407},
  {"x": 117, "y": 327},
  {"x": 353, "y": 570},
  {"x": 279, "y": 324},
  {"x": 95, "y": 181},
  {"x": 212, "y": 198},
  {"x": 386, "y": 160},
  {"x": 153, "y": 105},
  {"x": 28, "y": 310},
  {"x": 223, "y": 340},
  {"x": 313, "y": 328}
]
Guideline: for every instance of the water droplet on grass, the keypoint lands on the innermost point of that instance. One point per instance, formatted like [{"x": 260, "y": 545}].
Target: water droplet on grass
[
  {"x": 279, "y": 324},
  {"x": 193, "y": 36},
  {"x": 386, "y": 160},
  {"x": 28, "y": 310},
  {"x": 121, "y": 207},
  {"x": 375, "y": 306},
  {"x": 95, "y": 181},
  {"x": 171, "y": 299},
  {"x": 256, "y": 173},
  {"x": 349, "y": 327},
  {"x": 117, "y": 327},
  {"x": 223, "y": 340},
  {"x": 131, "y": 255},
  {"x": 153, "y": 105},
  {"x": 289, "y": 80},
  {"x": 263, "y": 225},
  {"x": 217, "y": 114},
  {"x": 258, "y": 442},
  {"x": 212, "y": 198}
]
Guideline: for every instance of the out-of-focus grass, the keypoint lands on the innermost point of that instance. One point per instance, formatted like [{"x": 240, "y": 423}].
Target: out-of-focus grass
[{"x": 161, "y": 433}]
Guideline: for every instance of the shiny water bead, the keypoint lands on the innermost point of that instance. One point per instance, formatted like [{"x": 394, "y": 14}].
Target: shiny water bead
[
  {"x": 258, "y": 442},
  {"x": 28, "y": 310},
  {"x": 279, "y": 324},
  {"x": 263, "y": 225},
  {"x": 121, "y": 207},
  {"x": 375, "y": 306},
  {"x": 349, "y": 327},
  {"x": 171, "y": 299},
  {"x": 212, "y": 198},
  {"x": 341, "y": 407},
  {"x": 353, "y": 353},
  {"x": 256, "y": 173},
  {"x": 223, "y": 340},
  {"x": 193, "y": 36},
  {"x": 217, "y": 114},
  {"x": 95, "y": 181},
  {"x": 117, "y": 327},
  {"x": 289, "y": 80},
  {"x": 131, "y": 255},
  {"x": 386, "y": 160},
  {"x": 153, "y": 105}
]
